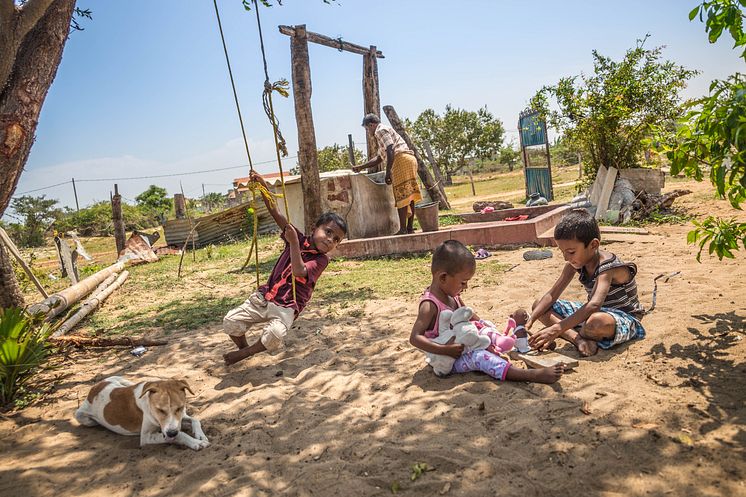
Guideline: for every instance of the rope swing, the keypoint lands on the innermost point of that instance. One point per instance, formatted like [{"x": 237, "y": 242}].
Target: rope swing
[{"x": 280, "y": 87}]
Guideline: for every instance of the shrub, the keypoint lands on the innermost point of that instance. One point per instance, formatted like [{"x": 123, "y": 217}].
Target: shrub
[{"x": 23, "y": 347}]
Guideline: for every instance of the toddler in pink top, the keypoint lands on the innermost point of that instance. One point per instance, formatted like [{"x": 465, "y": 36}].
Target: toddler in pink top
[{"x": 452, "y": 267}]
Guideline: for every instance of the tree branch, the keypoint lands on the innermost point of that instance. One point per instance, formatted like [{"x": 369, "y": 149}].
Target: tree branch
[{"x": 30, "y": 13}]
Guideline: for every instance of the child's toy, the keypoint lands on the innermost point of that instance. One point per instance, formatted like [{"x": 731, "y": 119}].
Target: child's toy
[
  {"x": 456, "y": 324},
  {"x": 517, "y": 327}
]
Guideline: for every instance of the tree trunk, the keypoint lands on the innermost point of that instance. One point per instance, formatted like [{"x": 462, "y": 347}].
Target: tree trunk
[
  {"x": 436, "y": 171},
  {"x": 21, "y": 99},
  {"x": 10, "y": 292},
  {"x": 422, "y": 170},
  {"x": 307, "y": 158}
]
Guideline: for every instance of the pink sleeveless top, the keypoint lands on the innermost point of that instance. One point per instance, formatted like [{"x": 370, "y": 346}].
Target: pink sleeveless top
[{"x": 427, "y": 296}]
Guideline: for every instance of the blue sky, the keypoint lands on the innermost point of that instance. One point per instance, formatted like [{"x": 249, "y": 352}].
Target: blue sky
[{"x": 144, "y": 90}]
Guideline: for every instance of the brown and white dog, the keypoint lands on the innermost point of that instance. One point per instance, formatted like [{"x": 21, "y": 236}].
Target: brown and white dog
[{"x": 152, "y": 409}]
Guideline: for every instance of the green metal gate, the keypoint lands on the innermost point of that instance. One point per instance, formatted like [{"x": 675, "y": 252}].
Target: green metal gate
[{"x": 537, "y": 167}]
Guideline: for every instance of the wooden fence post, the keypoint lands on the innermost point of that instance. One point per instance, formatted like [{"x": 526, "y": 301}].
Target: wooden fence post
[{"x": 117, "y": 220}]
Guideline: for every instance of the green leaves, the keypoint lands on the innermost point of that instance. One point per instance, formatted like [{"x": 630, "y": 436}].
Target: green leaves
[
  {"x": 722, "y": 15},
  {"x": 608, "y": 115},
  {"x": 722, "y": 237},
  {"x": 459, "y": 134},
  {"x": 22, "y": 349}
]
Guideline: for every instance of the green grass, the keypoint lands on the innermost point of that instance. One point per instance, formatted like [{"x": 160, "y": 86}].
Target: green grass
[
  {"x": 154, "y": 300},
  {"x": 495, "y": 183}
]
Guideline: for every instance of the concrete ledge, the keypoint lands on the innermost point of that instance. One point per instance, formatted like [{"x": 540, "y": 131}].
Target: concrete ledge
[
  {"x": 499, "y": 215},
  {"x": 487, "y": 233}
]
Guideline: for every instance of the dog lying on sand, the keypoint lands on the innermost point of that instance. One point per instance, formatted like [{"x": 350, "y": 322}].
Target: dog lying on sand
[{"x": 153, "y": 409}]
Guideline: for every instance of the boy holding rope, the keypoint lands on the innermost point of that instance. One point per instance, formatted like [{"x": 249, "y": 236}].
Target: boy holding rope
[{"x": 303, "y": 260}]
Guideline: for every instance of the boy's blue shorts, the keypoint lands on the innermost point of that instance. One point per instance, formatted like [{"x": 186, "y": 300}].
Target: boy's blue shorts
[{"x": 627, "y": 326}]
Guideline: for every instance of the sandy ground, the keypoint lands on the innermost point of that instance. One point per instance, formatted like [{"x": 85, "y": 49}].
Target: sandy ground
[{"x": 350, "y": 406}]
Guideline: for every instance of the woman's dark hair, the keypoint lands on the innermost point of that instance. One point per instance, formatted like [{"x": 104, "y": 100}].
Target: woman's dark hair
[
  {"x": 578, "y": 225},
  {"x": 452, "y": 257},
  {"x": 371, "y": 119},
  {"x": 332, "y": 217}
]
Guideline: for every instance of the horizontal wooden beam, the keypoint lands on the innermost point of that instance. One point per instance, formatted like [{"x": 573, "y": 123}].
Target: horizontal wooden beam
[{"x": 339, "y": 44}]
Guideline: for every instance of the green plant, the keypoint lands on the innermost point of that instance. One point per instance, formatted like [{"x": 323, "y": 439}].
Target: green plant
[
  {"x": 711, "y": 138},
  {"x": 23, "y": 347},
  {"x": 607, "y": 115},
  {"x": 38, "y": 213},
  {"x": 458, "y": 135},
  {"x": 723, "y": 236}
]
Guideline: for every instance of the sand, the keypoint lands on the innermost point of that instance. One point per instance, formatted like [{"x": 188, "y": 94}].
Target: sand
[{"x": 350, "y": 406}]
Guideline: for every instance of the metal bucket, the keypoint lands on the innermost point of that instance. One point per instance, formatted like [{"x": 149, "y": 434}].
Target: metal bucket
[{"x": 427, "y": 215}]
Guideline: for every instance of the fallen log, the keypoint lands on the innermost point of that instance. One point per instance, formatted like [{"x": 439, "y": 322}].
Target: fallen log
[
  {"x": 91, "y": 304},
  {"x": 59, "y": 302},
  {"x": 79, "y": 341},
  {"x": 649, "y": 202}
]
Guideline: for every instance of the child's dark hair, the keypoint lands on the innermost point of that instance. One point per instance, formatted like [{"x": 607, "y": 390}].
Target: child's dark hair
[
  {"x": 578, "y": 224},
  {"x": 452, "y": 257},
  {"x": 332, "y": 217}
]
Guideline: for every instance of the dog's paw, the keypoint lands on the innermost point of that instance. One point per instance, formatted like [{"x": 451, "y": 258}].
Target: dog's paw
[
  {"x": 201, "y": 436},
  {"x": 198, "y": 444}
]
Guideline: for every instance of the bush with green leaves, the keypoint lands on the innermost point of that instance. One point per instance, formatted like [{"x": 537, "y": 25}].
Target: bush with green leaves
[
  {"x": 710, "y": 140},
  {"x": 458, "y": 135},
  {"x": 95, "y": 220},
  {"x": 23, "y": 348},
  {"x": 607, "y": 115},
  {"x": 37, "y": 215}
]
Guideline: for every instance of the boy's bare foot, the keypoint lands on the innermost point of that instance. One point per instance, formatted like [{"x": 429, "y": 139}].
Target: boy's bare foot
[
  {"x": 585, "y": 346},
  {"x": 235, "y": 356}
]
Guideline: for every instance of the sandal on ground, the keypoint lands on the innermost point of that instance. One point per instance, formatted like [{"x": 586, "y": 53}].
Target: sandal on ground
[{"x": 482, "y": 254}]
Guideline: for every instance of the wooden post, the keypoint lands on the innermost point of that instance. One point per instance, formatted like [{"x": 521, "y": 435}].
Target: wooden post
[
  {"x": 436, "y": 171},
  {"x": 549, "y": 162},
  {"x": 75, "y": 192},
  {"x": 351, "y": 149},
  {"x": 371, "y": 97},
  {"x": 116, "y": 218},
  {"x": 422, "y": 170},
  {"x": 471, "y": 179},
  {"x": 307, "y": 158},
  {"x": 180, "y": 205},
  {"x": 525, "y": 157}
]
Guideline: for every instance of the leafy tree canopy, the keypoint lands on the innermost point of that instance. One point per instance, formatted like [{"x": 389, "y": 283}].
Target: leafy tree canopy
[
  {"x": 458, "y": 135},
  {"x": 38, "y": 214},
  {"x": 710, "y": 140},
  {"x": 154, "y": 199},
  {"x": 607, "y": 115}
]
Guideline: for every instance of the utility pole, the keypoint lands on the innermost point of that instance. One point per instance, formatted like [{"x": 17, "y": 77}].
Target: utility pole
[
  {"x": 75, "y": 192},
  {"x": 203, "y": 189},
  {"x": 351, "y": 149}
]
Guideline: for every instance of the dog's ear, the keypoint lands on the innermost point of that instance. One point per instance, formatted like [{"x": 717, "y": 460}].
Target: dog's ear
[
  {"x": 148, "y": 387},
  {"x": 184, "y": 385}
]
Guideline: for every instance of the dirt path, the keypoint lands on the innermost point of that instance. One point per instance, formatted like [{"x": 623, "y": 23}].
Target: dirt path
[{"x": 350, "y": 406}]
